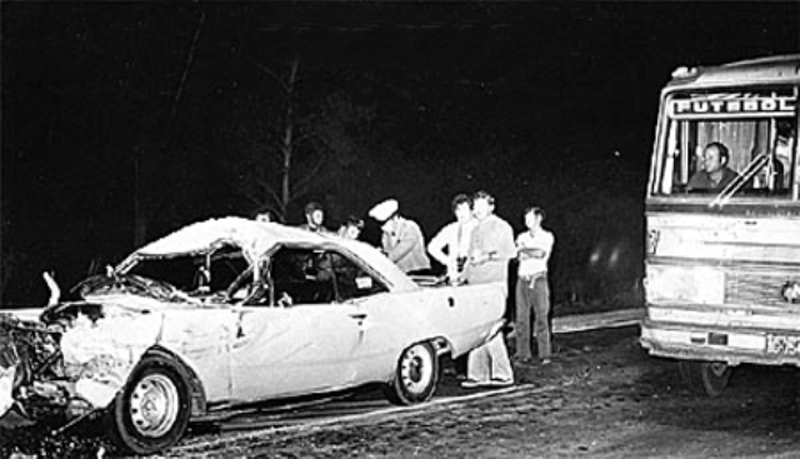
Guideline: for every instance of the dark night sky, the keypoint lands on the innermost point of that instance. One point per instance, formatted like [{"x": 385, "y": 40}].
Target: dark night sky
[{"x": 545, "y": 102}]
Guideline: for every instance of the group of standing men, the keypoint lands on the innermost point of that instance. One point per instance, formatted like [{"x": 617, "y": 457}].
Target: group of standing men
[
  {"x": 477, "y": 248},
  {"x": 315, "y": 221}
]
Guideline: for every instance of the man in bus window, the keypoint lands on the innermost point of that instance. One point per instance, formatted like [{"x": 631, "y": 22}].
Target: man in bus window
[{"x": 714, "y": 173}]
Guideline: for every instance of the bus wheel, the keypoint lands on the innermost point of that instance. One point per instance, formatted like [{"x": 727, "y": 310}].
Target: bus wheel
[{"x": 705, "y": 378}]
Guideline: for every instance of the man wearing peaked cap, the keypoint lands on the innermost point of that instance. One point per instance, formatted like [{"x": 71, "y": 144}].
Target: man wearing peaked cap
[
  {"x": 402, "y": 238},
  {"x": 384, "y": 210}
]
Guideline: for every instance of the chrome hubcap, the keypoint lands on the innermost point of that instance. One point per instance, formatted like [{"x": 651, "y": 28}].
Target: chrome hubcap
[
  {"x": 154, "y": 405},
  {"x": 416, "y": 369}
]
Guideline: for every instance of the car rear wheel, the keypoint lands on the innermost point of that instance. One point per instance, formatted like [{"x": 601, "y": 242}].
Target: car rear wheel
[
  {"x": 416, "y": 376},
  {"x": 705, "y": 378},
  {"x": 153, "y": 410}
]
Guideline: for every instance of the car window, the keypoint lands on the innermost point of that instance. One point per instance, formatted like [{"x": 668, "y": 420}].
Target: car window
[
  {"x": 249, "y": 288},
  {"x": 351, "y": 280},
  {"x": 179, "y": 272},
  {"x": 210, "y": 276},
  {"x": 298, "y": 277},
  {"x": 224, "y": 266},
  {"x": 312, "y": 276}
]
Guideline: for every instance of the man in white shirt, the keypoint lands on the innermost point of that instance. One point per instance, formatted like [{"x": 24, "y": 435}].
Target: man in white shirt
[
  {"x": 533, "y": 292},
  {"x": 450, "y": 246}
]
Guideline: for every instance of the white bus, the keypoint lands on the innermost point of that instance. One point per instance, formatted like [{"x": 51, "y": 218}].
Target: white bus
[{"x": 723, "y": 247}]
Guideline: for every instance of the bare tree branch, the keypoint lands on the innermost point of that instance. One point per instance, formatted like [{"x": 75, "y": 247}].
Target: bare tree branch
[
  {"x": 302, "y": 187},
  {"x": 260, "y": 189},
  {"x": 288, "y": 147},
  {"x": 189, "y": 59},
  {"x": 276, "y": 199},
  {"x": 302, "y": 138},
  {"x": 304, "y": 149},
  {"x": 269, "y": 72}
]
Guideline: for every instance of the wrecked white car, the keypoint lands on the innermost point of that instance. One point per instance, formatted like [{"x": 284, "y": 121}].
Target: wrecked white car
[{"x": 233, "y": 311}]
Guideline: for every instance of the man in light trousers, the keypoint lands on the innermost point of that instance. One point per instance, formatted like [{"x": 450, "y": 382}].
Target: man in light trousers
[{"x": 491, "y": 248}]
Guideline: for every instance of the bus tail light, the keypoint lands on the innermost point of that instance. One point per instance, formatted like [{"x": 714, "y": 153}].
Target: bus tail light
[
  {"x": 791, "y": 292},
  {"x": 652, "y": 241}
]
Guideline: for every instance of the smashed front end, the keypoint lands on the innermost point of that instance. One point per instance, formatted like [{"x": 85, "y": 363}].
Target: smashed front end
[{"x": 36, "y": 382}]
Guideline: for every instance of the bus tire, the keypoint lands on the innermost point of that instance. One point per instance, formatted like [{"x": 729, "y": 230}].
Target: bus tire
[{"x": 705, "y": 378}]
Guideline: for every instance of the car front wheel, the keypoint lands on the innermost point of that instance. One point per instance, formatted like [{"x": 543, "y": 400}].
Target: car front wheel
[
  {"x": 416, "y": 376},
  {"x": 705, "y": 378},
  {"x": 153, "y": 410}
]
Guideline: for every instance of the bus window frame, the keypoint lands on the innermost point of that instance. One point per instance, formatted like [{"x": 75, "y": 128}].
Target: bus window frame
[{"x": 667, "y": 123}]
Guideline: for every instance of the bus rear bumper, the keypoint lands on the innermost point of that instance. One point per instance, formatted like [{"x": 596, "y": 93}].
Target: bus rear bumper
[{"x": 724, "y": 344}]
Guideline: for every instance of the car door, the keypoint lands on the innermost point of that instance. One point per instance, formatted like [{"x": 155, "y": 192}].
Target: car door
[
  {"x": 297, "y": 346},
  {"x": 382, "y": 335},
  {"x": 465, "y": 316}
]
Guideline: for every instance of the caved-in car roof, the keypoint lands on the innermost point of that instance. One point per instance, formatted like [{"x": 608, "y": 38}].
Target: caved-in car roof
[{"x": 256, "y": 239}]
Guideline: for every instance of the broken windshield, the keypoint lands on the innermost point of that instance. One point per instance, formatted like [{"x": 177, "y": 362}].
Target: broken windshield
[
  {"x": 725, "y": 145},
  {"x": 126, "y": 283},
  {"x": 197, "y": 275}
]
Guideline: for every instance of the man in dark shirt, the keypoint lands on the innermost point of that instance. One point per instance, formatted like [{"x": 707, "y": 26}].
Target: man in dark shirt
[
  {"x": 714, "y": 173},
  {"x": 315, "y": 218}
]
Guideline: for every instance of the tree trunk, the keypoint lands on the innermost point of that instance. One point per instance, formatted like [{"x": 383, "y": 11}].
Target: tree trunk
[
  {"x": 139, "y": 222},
  {"x": 287, "y": 146}
]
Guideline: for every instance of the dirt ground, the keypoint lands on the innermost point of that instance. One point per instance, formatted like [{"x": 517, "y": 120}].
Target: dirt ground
[{"x": 601, "y": 397}]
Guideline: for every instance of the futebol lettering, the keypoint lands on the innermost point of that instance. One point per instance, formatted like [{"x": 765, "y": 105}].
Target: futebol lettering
[{"x": 771, "y": 105}]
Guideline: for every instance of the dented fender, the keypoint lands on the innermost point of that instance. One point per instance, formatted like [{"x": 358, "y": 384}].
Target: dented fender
[{"x": 101, "y": 355}]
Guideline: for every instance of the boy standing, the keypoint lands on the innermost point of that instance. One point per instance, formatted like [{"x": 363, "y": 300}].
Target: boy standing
[{"x": 533, "y": 292}]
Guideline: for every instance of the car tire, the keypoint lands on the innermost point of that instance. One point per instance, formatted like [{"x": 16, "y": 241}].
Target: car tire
[
  {"x": 705, "y": 378},
  {"x": 416, "y": 376},
  {"x": 152, "y": 412}
]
